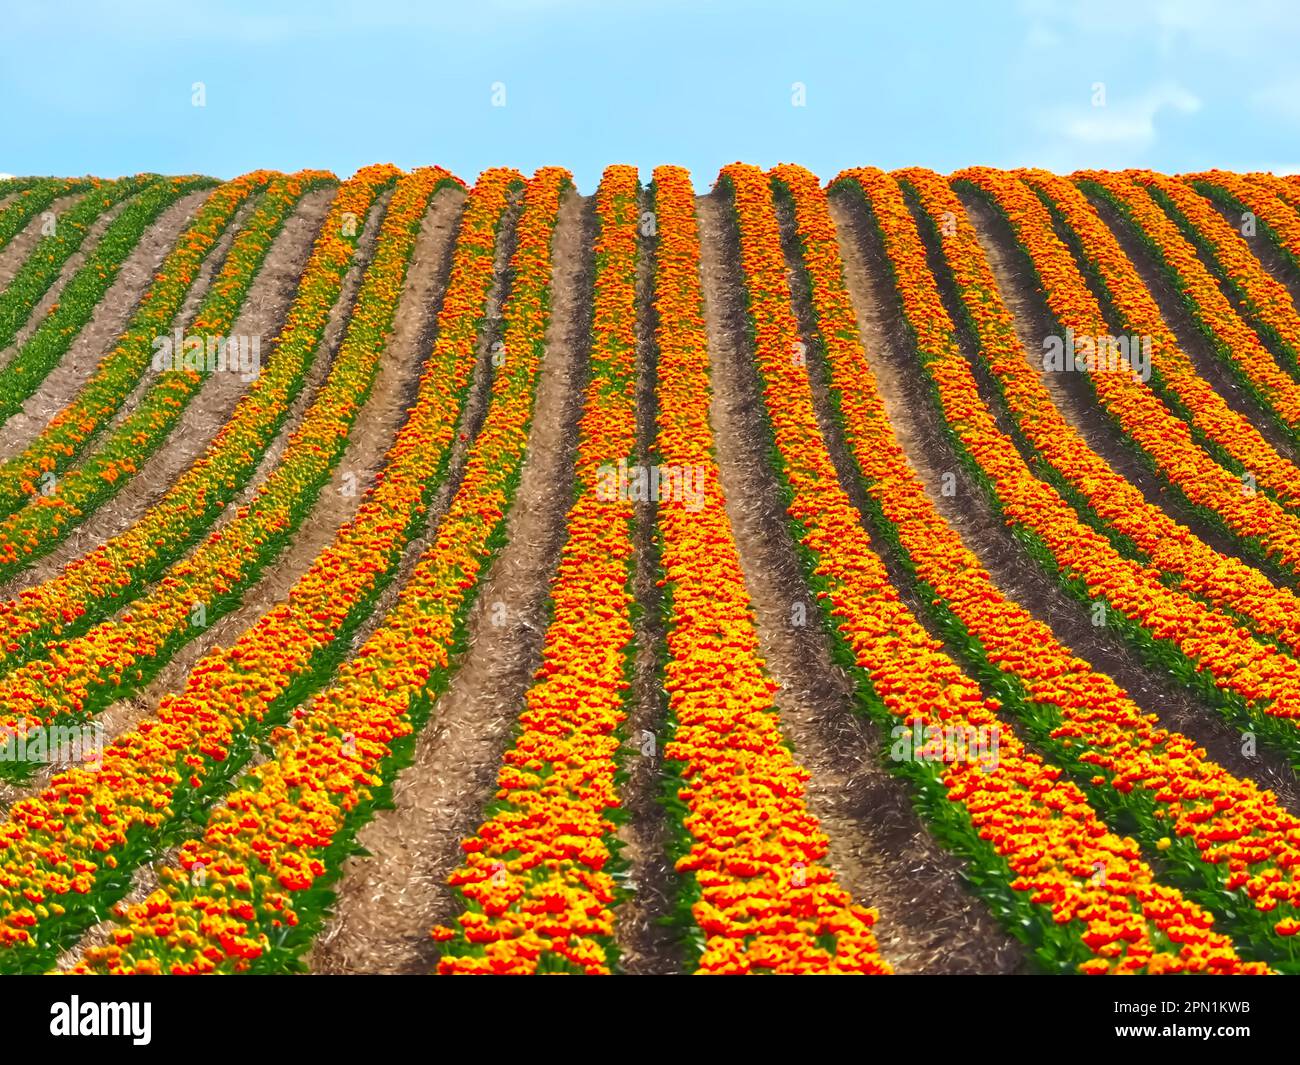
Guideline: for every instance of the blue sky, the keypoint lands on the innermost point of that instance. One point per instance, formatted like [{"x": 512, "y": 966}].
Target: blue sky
[{"x": 107, "y": 87}]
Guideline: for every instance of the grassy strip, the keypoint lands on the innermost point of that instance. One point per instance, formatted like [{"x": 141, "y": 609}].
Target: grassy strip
[
  {"x": 41, "y": 352},
  {"x": 62, "y": 236},
  {"x": 58, "y": 446},
  {"x": 34, "y": 196}
]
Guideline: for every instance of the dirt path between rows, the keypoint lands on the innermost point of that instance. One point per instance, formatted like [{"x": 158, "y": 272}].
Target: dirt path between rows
[
  {"x": 648, "y": 945},
  {"x": 74, "y": 262},
  {"x": 376, "y": 427},
  {"x": 471, "y": 421},
  {"x": 1269, "y": 255},
  {"x": 879, "y": 849},
  {"x": 1270, "y": 258},
  {"x": 110, "y": 318},
  {"x": 1014, "y": 572},
  {"x": 388, "y": 902},
  {"x": 20, "y": 248}
]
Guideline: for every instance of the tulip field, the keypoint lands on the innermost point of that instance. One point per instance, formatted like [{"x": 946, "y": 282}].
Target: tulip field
[{"x": 877, "y": 574}]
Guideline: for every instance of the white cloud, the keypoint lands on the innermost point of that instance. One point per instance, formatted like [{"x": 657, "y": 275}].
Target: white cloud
[
  {"x": 1127, "y": 122},
  {"x": 6, "y": 177}
]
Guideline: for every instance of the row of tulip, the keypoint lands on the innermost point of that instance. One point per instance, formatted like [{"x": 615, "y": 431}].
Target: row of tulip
[
  {"x": 756, "y": 890},
  {"x": 50, "y": 516},
  {"x": 537, "y": 881},
  {"x": 118, "y": 372},
  {"x": 61, "y": 236},
  {"x": 163, "y": 774},
  {"x": 115, "y": 571},
  {"x": 1263, "y": 198},
  {"x": 33, "y": 196},
  {"x": 1137, "y": 528},
  {"x": 1286, "y": 187},
  {"x": 1220, "y": 835},
  {"x": 1079, "y": 893},
  {"x": 269, "y": 851},
  {"x": 84, "y": 290},
  {"x": 1226, "y": 437},
  {"x": 80, "y": 675},
  {"x": 1263, "y": 298},
  {"x": 1210, "y": 651},
  {"x": 1237, "y": 345}
]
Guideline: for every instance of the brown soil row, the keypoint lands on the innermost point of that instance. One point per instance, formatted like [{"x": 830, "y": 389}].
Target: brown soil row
[
  {"x": 879, "y": 849},
  {"x": 1069, "y": 391},
  {"x": 389, "y": 900},
  {"x": 1191, "y": 340},
  {"x": 125, "y": 713},
  {"x": 24, "y": 242},
  {"x": 646, "y": 942},
  {"x": 1269, "y": 255},
  {"x": 373, "y": 432},
  {"x": 262, "y": 315}
]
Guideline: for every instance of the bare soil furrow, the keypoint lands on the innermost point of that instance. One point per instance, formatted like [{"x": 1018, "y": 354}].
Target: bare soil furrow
[
  {"x": 125, "y": 713},
  {"x": 389, "y": 900},
  {"x": 71, "y": 265},
  {"x": 1191, "y": 340},
  {"x": 1274, "y": 263},
  {"x": 917, "y": 421},
  {"x": 261, "y": 316},
  {"x": 377, "y": 424},
  {"x": 18, "y": 250},
  {"x": 879, "y": 849}
]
